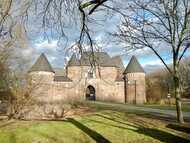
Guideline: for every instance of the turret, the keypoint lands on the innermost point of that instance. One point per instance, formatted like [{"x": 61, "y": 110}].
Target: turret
[
  {"x": 41, "y": 71},
  {"x": 134, "y": 78},
  {"x": 73, "y": 69}
]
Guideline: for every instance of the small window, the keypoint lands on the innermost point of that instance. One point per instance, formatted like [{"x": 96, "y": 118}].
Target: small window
[{"x": 90, "y": 74}]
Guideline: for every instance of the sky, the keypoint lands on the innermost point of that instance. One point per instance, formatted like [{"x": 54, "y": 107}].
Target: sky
[{"x": 58, "y": 55}]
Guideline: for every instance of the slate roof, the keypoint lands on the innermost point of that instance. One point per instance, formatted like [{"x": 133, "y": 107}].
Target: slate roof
[
  {"x": 60, "y": 71},
  {"x": 62, "y": 79},
  {"x": 134, "y": 66},
  {"x": 118, "y": 62},
  {"x": 100, "y": 58},
  {"x": 42, "y": 64},
  {"x": 73, "y": 61},
  {"x": 60, "y": 75}
]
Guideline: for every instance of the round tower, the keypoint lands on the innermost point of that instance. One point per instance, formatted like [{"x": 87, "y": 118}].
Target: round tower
[
  {"x": 41, "y": 72},
  {"x": 134, "y": 78}
]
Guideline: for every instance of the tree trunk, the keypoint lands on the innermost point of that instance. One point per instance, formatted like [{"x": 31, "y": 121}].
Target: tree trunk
[
  {"x": 10, "y": 107},
  {"x": 125, "y": 86},
  {"x": 178, "y": 96}
]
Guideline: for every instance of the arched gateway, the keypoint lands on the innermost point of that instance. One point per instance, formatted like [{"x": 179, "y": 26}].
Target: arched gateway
[{"x": 90, "y": 93}]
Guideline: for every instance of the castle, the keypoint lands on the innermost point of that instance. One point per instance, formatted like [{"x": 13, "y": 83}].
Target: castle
[{"x": 93, "y": 76}]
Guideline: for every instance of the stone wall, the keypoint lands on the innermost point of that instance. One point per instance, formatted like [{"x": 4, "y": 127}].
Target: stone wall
[
  {"x": 50, "y": 95},
  {"x": 67, "y": 92},
  {"x": 40, "y": 85},
  {"x": 110, "y": 91},
  {"x": 78, "y": 72},
  {"x": 103, "y": 81},
  {"x": 136, "y": 88},
  {"x": 39, "y": 77},
  {"x": 106, "y": 88}
]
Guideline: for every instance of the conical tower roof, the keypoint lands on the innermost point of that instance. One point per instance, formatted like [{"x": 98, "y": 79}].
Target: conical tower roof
[
  {"x": 73, "y": 61},
  {"x": 42, "y": 64},
  {"x": 134, "y": 66}
]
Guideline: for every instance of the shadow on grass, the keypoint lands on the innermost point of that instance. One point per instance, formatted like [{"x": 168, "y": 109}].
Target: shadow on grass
[
  {"x": 108, "y": 124},
  {"x": 93, "y": 134},
  {"x": 114, "y": 119},
  {"x": 141, "y": 128},
  {"x": 179, "y": 128},
  {"x": 161, "y": 135}
]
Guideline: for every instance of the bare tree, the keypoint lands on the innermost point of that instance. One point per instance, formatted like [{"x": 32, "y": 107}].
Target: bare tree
[
  {"x": 54, "y": 18},
  {"x": 156, "y": 24},
  {"x": 13, "y": 77},
  {"x": 13, "y": 27},
  {"x": 12, "y": 40},
  {"x": 162, "y": 26},
  {"x": 185, "y": 78}
]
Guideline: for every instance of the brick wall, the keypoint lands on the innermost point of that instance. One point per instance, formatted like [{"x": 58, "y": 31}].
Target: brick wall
[
  {"x": 136, "y": 88},
  {"x": 106, "y": 88}
]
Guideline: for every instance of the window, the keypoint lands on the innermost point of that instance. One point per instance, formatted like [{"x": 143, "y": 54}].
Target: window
[{"x": 90, "y": 74}]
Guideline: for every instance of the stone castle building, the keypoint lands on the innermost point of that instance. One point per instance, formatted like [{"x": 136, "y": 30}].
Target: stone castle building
[{"x": 80, "y": 80}]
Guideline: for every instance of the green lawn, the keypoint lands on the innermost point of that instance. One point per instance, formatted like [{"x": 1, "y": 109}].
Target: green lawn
[{"x": 101, "y": 126}]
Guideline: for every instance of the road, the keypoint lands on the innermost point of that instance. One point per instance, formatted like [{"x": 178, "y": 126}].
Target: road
[{"x": 129, "y": 107}]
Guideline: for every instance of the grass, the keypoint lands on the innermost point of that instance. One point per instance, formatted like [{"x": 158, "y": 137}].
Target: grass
[{"x": 103, "y": 125}]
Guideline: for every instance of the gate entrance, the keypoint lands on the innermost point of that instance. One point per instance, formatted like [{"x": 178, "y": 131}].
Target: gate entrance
[{"x": 90, "y": 93}]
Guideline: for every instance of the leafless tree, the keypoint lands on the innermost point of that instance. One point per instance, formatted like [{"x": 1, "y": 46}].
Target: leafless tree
[
  {"x": 12, "y": 39},
  {"x": 156, "y": 24},
  {"x": 53, "y": 16},
  {"x": 14, "y": 17},
  {"x": 185, "y": 78},
  {"x": 13, "y": 79},
  {"x": 162, "y": 26}
]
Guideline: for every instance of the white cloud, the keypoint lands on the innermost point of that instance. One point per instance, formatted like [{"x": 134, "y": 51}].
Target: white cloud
[
  {"x": 47, "y": 45},
  {"x": 50, "y": 48},
  {"x": 51, "y": 58},
  {"x": 144, "y": 51},
  {"x": 153, "y": 63}
]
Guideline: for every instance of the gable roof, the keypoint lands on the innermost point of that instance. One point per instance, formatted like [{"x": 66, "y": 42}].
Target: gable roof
[
  {"x": 134, "y": 66},
  {"x": 73, "y": 60},
  {"x": 100, "y": 58},
  {"x": 62, "y": 79},
  {"x": 118, "y": 62},
  {"x": 42, "y": 64},
  {"x": 60, "y": 71}
]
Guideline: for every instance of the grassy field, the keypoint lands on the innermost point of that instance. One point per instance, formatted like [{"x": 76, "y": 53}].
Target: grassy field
[{"x": 102, "y": 125}]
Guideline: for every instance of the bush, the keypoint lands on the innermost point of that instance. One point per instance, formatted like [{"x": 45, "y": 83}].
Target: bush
[{"x": 165, "y": 101}]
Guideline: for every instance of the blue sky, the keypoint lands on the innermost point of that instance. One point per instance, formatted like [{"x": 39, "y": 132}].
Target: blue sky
[{"x": 57, "y": 51}]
